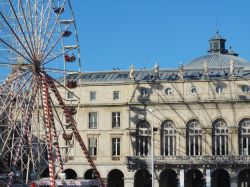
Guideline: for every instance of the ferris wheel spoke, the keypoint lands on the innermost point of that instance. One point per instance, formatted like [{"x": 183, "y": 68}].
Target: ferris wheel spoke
[
  {"x": 32, "y": 46},
  {"x": 51, "y": 78},
  {"x": 12, "y": 121},
  {"x": 60, "y": 71},
  {"x": 54, "y": 44},
  {"x": 73, "y": 127},
  {"x": 31, "y": 24},
  {"x": 44, "y": 48},
  {"x": 54, "y": 133},
  {"x": 14, "y": 49},
  {"x": 27, "y": 117},
  {"x": 15, "y": 96},
  {"x": 10, "y": 79},
  {"x": 27, "y": 28},
  {"x": 61, "y": 54},
  {"x": 43, "y": 13},
  {"x": 7, "y": 87},
  {"x": 21, "y": 28},
  {"x": 46, "y": 26},
  {"x": 58, "y": 118},
  {"x": 16, "y": 36}
]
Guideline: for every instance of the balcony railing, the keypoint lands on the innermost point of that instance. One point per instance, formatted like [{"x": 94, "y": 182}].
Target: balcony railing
[{"x": 184, "y": 160}]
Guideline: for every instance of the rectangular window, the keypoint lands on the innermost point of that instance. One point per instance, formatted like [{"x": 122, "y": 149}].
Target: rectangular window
[
  {"x": 142, "y": 145},
  {"x": 92, "y": 146},
  {"x": 116, "y": 119},
  {"x": 168, "y": 145},
  {"x": 115, "y": 147},
  {"x": 70, "y": 95},
  {"x": 116, "y": 95},
  {"x": 92, "y": 95},
  {"x": 93, "y": 120}
]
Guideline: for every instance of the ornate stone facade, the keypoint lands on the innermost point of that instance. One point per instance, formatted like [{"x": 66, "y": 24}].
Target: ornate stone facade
[{"x": 199, "y": 122}]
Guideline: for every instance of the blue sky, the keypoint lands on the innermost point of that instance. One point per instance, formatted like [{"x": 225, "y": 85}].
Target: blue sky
[{"x": 117, "y": 33}]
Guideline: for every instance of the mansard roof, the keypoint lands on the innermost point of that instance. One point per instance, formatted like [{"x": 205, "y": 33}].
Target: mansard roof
[
  {"x": 217, "y": 63},
  {"x": 146, "y": 75}
]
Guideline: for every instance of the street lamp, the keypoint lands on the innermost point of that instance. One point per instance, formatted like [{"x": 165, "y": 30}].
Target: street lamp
[{"x": 152, "y": 146}]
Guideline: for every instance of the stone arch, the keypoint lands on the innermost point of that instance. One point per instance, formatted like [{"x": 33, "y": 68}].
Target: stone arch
[
  {"x": 194, "y": 178},
  {"x": 70, "y": 173},
  {"x": 168, "y": 177},
  {"x": 220, "y": 177},
  {"x": 193, "y": 137},
  {"x": 143, "y": 123},
  {"x": 143, "y": 137},
  {"x": 244, "y": 178},
  {"x": 243, "y": 136},
  {"x": 142, "y": 178},
  {"x": 220, "y": 137},
  {"x": 89, "y": 174},
  {"x": 168, "y": 138},
  {"x": 115, "y": 178}
]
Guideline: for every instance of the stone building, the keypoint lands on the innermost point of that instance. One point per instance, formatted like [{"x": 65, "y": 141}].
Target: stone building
[{"x": 198, "y": 116}]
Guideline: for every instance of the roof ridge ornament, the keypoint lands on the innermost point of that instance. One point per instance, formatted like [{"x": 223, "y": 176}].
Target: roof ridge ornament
[
  {"x": 231, "y": 67},
  {"x": 181, "y": 71},
  {"x": 156, "y": 70},
  {"x": 205, "y": 71},
  {"x": 132, "y": 72}
]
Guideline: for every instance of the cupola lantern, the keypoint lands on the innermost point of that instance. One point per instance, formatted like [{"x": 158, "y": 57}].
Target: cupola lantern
[{"x": 217, "y": 44}]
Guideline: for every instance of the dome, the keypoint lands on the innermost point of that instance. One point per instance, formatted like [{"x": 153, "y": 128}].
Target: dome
[
  {"x": 218, "y": 56},
  {"x": 216, "y": 60}
]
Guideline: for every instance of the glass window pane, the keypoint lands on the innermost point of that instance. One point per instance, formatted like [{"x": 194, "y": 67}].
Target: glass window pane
[
  {"x": 70, "y": 95},
  {"x": 92, "y": 96},
  {"x": 92, "y": 146},
  {"x": 92, "y": 119},
  {"x": 115, "y": 119},
  {"x": 116, "y": 95}
]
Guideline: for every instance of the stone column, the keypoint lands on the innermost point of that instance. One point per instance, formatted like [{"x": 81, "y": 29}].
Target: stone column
[
  {"x": 182, "y": 142},
  {"x": 233, "y": 179},
  {"x": 156, "y": 182},
  {"x": 128, "y": 182},
  {"x": 234, "y": 141},
  {"x": 207, "y": 141},
  {"x": 181, "y": 178},
  {"x": 208, "y": 178}
]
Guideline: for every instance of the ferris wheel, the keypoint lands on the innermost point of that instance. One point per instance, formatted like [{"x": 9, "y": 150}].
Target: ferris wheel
[{"x": 40, "y": 96}]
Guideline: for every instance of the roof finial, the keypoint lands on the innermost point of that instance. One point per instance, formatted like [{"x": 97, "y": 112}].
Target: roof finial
[
  {"x": 132, "y": 72},
  {"x": 231, "y": 67},
  {"x": 181, "y": 71},
  {"x": 156, "y": 70}
]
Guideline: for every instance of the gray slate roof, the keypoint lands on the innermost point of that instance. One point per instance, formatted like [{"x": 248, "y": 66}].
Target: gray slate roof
[
  {"x": 218, "y": 68},
  {"x": 216, "y": 60}
]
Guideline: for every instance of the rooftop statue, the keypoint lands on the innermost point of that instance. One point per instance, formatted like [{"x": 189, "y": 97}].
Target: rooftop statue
[
  {"x": 156, "y": 70},
  {"x": 132, "y": 72},
  {"x": 181, "y": 71},
  {"x": 205, "y": 69},
  {"x": 231, "y": 66}
]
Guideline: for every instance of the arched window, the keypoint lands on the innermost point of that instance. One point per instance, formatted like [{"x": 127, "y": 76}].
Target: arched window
[
  {"x": 168, "y": 138},
  {"x": 143, "y": 138},
  {"x": 244, "y": 135},
  {"x": 194, "y": 138},
  {"x": 220, "y": 137}
]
